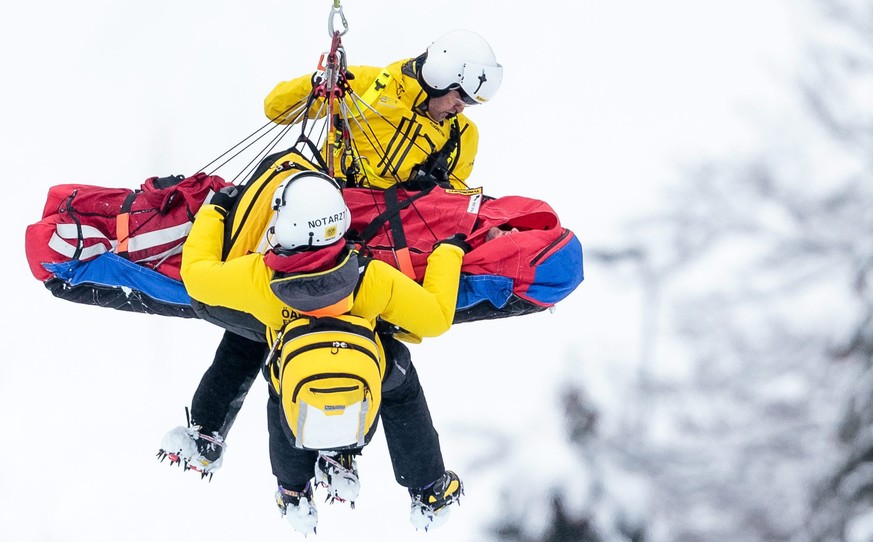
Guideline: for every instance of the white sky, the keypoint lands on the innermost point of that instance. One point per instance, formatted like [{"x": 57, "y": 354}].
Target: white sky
[{"x": 600, "y": 99}]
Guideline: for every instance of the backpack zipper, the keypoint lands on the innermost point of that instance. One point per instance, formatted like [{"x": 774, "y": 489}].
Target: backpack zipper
[
  {"x": 334, "y": 390},
  {"x": 546, "y": 250},
  {"x": 327, "y": 375},
  {"x": 335, "y": 345}
]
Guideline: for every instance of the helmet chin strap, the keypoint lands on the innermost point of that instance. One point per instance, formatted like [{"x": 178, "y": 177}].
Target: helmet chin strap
[
  {"x": 423, "y": 108},
  {"x": 412, "y": 68}
]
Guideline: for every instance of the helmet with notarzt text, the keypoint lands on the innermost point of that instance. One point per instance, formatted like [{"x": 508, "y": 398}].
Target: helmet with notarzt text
[
  {"x": 310, "y": 211},
  {"x": 461, "y": 60}
]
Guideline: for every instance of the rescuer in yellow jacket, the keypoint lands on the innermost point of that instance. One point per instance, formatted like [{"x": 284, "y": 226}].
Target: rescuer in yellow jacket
[
  {"x": 311, "y": 219},
  {"x": 415, "y": 108},
  {"x": 409, "y": 123}
]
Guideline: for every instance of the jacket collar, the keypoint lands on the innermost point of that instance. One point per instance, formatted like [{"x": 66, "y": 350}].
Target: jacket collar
[{"x": 317, "y": 283}]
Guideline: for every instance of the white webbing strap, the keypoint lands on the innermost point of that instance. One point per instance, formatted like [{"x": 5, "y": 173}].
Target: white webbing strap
[
  {"x": 60, "y": 241},
  {"x": 66, "y": 238}
]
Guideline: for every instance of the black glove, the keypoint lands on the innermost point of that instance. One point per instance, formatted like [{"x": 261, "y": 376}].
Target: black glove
[
  {"x": 459, "y": 240},
  {"x": 431, "y": 173},
  {"x": 225, "y": 197}
]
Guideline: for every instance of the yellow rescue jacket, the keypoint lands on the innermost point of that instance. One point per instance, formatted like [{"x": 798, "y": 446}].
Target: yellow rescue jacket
[
  {"x": 243, "y": 284},
  {"x": 403, "y": 136}
]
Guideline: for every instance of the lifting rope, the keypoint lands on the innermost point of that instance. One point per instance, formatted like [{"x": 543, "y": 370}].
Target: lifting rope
[
  {"x": 341, "y": 107},
  {"x": 332, "y": 86},
  {"x": 339, "y": 121}
]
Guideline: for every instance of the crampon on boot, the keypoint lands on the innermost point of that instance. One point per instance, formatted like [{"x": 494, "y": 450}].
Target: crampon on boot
[
  {"x": 430, "y": 504},
  {"x": 297, "y": 507},
  {"x": 338, "y": 472},
  {"x": 194, "y": 450}
]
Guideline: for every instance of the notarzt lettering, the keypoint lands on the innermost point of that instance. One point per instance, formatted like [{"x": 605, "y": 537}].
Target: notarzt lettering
[{"x": 339, "y": 217}]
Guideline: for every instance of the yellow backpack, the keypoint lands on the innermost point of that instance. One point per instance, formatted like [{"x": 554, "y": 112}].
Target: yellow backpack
[
  {"x": 328, "y": 373},
  {"x": 247, "y": 223}
]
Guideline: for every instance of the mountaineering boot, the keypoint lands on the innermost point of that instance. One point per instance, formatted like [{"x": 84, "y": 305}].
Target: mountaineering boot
[
  {"x": 298, "y": 508},
  {"x": 193, "y": 450},
  {"x": 430, "y": 504},
  {"x": 338, "y": 472}
]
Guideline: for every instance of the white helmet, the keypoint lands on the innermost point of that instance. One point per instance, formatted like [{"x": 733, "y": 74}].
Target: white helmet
[
  {"x": 461, "y": 60},
  {"x": 310, "y": 211}
]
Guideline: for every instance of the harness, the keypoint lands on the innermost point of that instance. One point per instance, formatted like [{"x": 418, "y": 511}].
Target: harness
[{"x": 439, "y": 165}]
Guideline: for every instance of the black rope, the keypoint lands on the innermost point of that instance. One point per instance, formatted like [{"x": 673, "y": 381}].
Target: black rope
[{"x": 234, "y": 146}]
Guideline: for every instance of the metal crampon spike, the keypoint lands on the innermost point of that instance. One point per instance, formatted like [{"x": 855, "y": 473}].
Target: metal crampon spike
[
  {"x": 163, "y": 454},
  {"x": 330, "y": 499}
]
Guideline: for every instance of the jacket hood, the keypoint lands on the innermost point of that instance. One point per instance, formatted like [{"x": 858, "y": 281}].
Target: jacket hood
[{"x": 319, "y": 283}]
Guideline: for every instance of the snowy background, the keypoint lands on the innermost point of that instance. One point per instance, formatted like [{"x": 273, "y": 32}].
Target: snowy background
[{"x": 603, "y": 106}]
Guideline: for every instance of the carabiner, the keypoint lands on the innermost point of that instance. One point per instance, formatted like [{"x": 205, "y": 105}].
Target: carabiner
[{"x": 337, "y": 9}]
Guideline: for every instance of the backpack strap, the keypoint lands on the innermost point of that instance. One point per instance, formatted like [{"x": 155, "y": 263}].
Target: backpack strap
[
  {"x": 270, "y": 368},
  {"x": 122, "y": 225},
  {"x": 379, "y": 220},
  {"x": 401, "y": 248},
  {"x": 375, "y": 90},
  {"x": 391, "y": 215}
]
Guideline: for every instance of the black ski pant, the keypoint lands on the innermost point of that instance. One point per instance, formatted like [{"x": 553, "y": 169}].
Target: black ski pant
[
  {"x": 226, "y": 382},
  {"x": 413, "y": 442}
]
